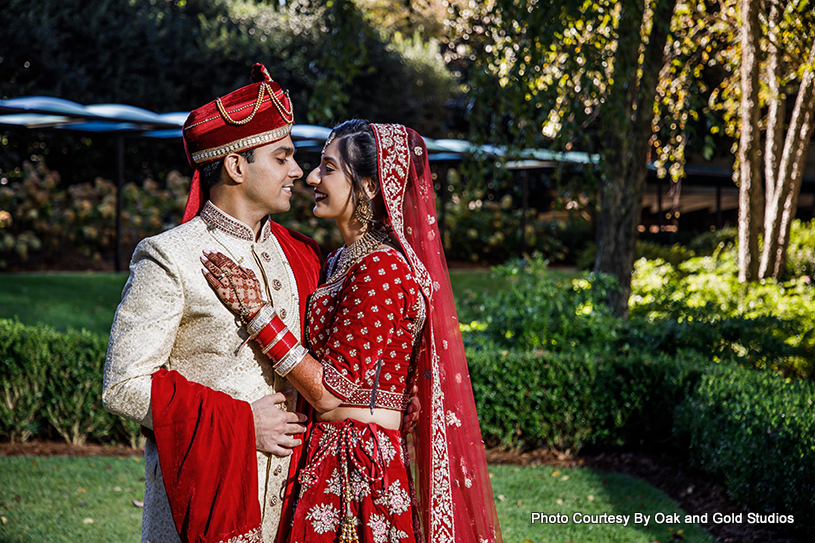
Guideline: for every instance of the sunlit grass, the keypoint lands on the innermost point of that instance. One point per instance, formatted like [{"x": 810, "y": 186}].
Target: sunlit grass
[
  {"x": 62, "y": 300},
  {"x": 71, "y": 499},
  {"x": 89, "y": 300},
  {"x": 568, "y": 495},
  {"x": 90, "y": 499}
]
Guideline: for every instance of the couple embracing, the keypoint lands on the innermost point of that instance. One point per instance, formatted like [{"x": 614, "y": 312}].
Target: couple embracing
[{"x": 286, "y": 398}]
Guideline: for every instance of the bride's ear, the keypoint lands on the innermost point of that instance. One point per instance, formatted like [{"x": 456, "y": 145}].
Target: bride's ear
[{"x": 370, "y": 187}]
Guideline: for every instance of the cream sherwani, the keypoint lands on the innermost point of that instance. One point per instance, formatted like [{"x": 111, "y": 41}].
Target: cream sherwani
[{"x": 170, "y": 317}]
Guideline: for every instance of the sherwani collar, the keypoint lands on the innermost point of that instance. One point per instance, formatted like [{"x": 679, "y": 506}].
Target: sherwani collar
[{"x": 218, "y": 219}]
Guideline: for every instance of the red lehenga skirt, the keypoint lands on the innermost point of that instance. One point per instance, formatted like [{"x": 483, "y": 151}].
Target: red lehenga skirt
[{"x": 355, "y": 483}]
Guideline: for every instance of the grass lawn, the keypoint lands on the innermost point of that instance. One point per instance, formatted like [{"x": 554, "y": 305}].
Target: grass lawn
[
  {"x": 564, "y": 496},
  {"x": 89, "y": 300},
  {"x": 62, "y": 300},
  {"x": 468, "y": 283},
  {"x": 90, "y": 499},
  {"x": 70, "y": 499}
]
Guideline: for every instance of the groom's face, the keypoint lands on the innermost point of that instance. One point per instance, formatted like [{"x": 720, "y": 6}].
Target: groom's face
[{"x": 271, "y": 175}]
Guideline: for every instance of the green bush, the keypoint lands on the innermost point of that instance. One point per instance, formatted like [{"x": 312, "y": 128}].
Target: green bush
[
  {"x": 73, "y": 390},
  {"x": 542, "y": 310},
  {"x": 801, "y": 250},
  {"x": 478, "y": 228},
  {"x": 24, "y": 359},
  {"x": 37, "y": 216},
  {"x": 701, "y": 304},
  {"x": 574, "y": 398},
  {"x": 674, "y": 254},
  {"x": 756, "y": 431},
  {"x": 52, "y": 380}
]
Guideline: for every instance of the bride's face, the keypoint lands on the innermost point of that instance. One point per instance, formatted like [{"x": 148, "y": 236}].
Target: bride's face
[{"x": 332, "y": 188}]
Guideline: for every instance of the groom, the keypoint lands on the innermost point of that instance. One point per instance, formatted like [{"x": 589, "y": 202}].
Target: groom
[{"x": 219, "y": 421}]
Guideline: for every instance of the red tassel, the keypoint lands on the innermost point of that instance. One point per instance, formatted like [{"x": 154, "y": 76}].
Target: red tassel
[{"x": 196, "y": 200}]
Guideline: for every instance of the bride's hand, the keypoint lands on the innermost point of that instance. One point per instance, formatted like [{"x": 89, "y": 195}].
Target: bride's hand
[{"x": 236, "y": 286}]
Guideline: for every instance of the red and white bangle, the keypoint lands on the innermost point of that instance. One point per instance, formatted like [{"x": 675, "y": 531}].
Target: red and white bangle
[{"x": 280, "y": 345}]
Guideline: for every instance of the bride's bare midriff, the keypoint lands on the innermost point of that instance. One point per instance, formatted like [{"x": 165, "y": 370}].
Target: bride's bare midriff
[{"x": 386, "y": 418}]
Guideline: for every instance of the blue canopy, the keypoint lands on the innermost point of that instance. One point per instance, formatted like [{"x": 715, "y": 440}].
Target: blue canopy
[{"x": 46, "y": 112}]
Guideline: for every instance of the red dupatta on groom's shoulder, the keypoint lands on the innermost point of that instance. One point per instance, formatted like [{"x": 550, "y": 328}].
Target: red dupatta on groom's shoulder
[{"x": 206, "y": 448}]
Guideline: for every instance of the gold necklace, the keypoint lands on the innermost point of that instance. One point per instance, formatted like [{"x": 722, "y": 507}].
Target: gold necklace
[{"x": 352, "y": 253}]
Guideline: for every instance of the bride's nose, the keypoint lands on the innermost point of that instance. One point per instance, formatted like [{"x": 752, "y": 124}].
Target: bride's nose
[{"x": 313, "y": 178}]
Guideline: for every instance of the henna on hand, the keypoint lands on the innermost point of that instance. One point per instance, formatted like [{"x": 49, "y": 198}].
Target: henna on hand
[{"x": 236, "y": 286}]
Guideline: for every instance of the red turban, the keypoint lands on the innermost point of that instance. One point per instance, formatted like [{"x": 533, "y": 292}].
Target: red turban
[{"x": 249, "y": 117}]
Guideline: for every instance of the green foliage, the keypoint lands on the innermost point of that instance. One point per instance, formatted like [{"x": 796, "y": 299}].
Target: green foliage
[
  {"x": 700, "y": 304},
  {"x": 481, "y": 230},
  {"x": 24, "y": 362},
  {"x": 168, "y": 55},
  {"x": 52, "y": 377},
  {"x": 73, "y": 390},
  {"x": 541, "y": 310},
  {"x": 756, "y": 431},
  {"x": 483, "y": 219},
  {"x": 708, "y": 243},
  {"x": 576, "y": 397},
  {"x": 673, "y": 254},
  {"x": 801, "y": 250}
]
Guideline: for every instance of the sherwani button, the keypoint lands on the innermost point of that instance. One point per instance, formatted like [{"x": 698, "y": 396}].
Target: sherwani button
[{"x": 276, "y": 284}]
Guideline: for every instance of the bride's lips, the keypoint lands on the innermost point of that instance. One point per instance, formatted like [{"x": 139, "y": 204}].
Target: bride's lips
[{"x": 318, "y": 196}]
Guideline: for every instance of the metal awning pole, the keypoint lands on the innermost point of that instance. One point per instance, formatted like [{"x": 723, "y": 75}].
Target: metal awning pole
[{"x": 120, "y": 175}]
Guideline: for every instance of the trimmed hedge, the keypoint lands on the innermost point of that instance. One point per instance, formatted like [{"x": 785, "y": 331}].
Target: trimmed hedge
[
  {"x": 51, "y": 382},
  {"x": 572, "y": 399},
  {"x": 755, "y": 430}
]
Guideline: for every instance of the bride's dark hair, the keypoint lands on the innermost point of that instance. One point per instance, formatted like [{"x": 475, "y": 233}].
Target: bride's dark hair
[{"x": 357, "y": 148}]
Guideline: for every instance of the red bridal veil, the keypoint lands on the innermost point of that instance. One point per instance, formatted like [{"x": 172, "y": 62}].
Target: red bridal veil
[{"x": 453, "y": 486}]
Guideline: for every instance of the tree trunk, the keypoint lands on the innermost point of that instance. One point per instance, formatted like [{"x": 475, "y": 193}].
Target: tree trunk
[
  {"x": 628, "y": 140},
  {"x": 776, "y": 112},
  {"x": 782, "y": 208},
  {"x": 749, "y": 160}
]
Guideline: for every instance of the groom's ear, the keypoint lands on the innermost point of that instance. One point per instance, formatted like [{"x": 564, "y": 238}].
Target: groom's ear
[{"x": 234, "y": 167}]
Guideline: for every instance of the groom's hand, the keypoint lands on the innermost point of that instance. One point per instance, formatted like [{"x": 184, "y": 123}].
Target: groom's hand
[{"x": 275, "y": 428}]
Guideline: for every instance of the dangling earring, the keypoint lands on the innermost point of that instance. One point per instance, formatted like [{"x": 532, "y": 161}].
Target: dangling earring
[{"x": 364, "y": 211}]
